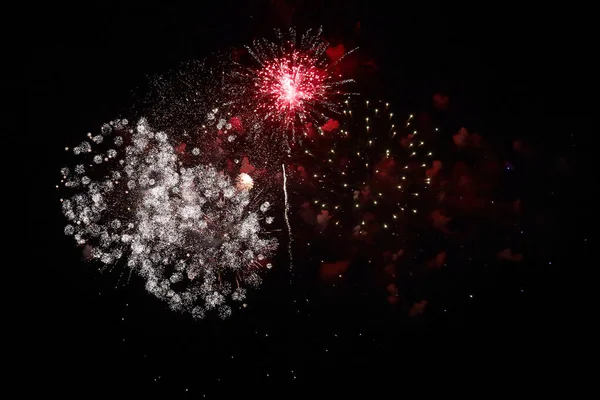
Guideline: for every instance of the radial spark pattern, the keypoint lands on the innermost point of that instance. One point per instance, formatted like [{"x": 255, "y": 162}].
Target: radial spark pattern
[
  {"x": 293, "y": 82},
  {"x": 288, "y": 85},
  {"x": 192, "y": 234}
]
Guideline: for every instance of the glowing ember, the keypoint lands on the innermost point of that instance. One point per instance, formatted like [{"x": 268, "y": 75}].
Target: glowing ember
[{"x": 244, "y": 182}]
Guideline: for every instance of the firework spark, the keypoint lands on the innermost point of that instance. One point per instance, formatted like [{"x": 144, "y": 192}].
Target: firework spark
[{"x": 188, "y": 231}]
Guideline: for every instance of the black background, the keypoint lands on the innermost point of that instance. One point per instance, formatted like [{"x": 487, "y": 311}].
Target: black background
[{"x": 508, "y": 71}]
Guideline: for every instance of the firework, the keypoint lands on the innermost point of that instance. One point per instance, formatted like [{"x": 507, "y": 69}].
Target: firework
[
  {"x": 252, "y": 102},
  {"x": 195, "y": 237},
  {"x": 292, "y": 85},
  {"x": 369, "y": 179}
]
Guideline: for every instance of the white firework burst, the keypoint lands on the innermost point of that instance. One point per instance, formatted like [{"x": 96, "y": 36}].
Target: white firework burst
[{"x": 194, "y": 236}]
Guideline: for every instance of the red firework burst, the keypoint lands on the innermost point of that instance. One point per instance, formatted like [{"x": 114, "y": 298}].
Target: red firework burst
[
  {"x": 291, "y": 86},
  {"x": 295, "y": 84}
]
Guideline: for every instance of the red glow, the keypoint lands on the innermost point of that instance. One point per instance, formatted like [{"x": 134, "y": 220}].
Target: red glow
[
  {"x": 330, "y": 126},
  {"x": 180, "y": 148},
  {"x": 236, "y": 124},
  {"x": 336, "y": 52}
]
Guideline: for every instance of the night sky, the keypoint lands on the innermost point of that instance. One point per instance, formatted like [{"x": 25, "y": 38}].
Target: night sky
[{"x": 508, "y": 75}]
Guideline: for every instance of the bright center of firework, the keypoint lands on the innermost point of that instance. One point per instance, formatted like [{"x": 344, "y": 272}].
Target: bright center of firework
[
  {"x": 291, "y": 92},
  {"x": 292, "y": 83}
]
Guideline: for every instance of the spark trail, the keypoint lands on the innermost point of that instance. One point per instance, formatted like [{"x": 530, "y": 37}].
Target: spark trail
[{"x": 287, "y": 220}]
